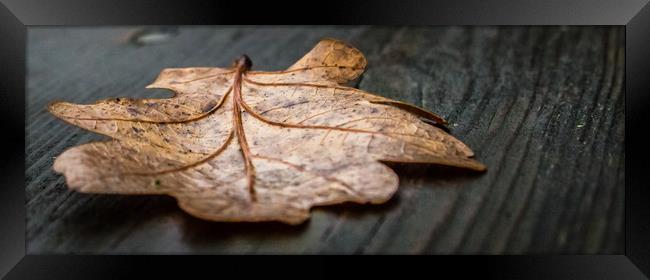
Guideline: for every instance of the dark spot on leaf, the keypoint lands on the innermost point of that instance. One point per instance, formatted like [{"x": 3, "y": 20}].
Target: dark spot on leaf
[
  {"x": 208, "y": 107},
  {"x": 132, "y": 111}
]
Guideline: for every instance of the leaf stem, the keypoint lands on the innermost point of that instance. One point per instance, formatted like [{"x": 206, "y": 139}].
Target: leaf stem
[{"x": 243, "y": 64}]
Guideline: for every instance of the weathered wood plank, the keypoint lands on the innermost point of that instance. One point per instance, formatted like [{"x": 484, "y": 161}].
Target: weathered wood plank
[{"x": 543, "y": 107}]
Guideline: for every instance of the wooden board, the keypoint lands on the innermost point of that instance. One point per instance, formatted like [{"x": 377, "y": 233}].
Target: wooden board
[{"x": 542, "y": 107}]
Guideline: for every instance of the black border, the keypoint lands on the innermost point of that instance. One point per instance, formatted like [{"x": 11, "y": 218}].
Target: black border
[{"x": 17, "y": 15}]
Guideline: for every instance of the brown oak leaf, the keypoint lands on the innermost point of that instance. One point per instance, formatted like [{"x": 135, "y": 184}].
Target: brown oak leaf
[{"x": 239, "y": 145}]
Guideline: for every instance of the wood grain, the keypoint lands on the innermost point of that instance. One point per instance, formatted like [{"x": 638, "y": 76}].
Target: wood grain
[{"x": 542, "y": 107}]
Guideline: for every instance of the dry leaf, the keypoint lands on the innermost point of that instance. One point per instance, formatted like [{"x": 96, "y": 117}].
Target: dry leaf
[{"x": 240, "y": 145}]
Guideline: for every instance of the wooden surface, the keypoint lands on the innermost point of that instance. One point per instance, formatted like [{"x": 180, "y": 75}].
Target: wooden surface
[{"x": 542, "y": 107}]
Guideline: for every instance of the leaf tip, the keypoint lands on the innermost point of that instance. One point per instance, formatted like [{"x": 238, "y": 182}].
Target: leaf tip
[
  {"x": 53, "y": 106},
  {"x": 477, "y": 166}
]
